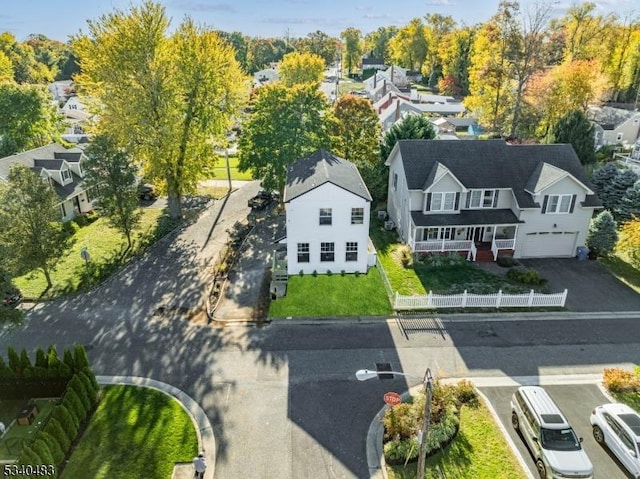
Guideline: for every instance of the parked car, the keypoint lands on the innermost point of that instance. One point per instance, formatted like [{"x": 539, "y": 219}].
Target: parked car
[
  {"x": 261, "y": 200},
  {"x": 146, "y": 192},
  {"x": 618, "y": 426},
  {"x": 12, "y": 298},
  {"x": 553, "y": 443}
]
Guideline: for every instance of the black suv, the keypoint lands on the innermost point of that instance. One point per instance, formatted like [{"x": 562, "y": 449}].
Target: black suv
[
  {"x": 261, "y": 200},
  {"x": 146, "y": 192}
]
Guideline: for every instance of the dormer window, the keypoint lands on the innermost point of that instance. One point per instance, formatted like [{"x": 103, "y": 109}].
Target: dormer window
[
  {"x": 443, "y": 201},
  {"x": 66, "y": 176}
]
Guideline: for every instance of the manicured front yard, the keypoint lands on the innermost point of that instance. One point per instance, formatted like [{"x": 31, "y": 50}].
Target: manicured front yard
[
  {"x": 220, "y": 170},
  {"x": 135, "y": 432},
  {"x": 442, "y": 279},
  {"x": 335, "y": 295},
  {"x": 479, "y": 451},
  {"x": 107, "y": 249}
]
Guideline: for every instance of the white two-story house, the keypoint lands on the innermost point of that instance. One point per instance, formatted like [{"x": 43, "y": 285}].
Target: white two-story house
[
  {"x": 327, "y": 207},
  {"x": 486, "y": 197},
  {"x": 62, "y": 169}
]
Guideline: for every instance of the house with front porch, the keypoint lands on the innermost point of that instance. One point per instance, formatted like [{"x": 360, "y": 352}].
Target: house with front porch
[
  {"x": 62, "y": 168},
  {"x": 327, "y": 209},
  {"x": 485, "y": 198}
]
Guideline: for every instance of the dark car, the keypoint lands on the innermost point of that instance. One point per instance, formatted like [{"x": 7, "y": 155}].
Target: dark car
[
  {"x": 12, "y": 298},
  {"x": 146, "y": 192},
  {"x": 261, "y": 200}
]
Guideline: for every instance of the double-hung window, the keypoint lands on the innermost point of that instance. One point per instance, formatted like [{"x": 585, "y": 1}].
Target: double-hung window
[
  {"x": 558, "y": 204},
  {"x": 65, "y": 175},
  {"x": 481, "y": 198},
  {"x": 303, "y": 252},
  {"x": 357, "y": 216},
  {"x": 327, "y": 252},
  {"x": 351, "y": 251},
  {"x": 325, "y": 216},
  {"x": 443, "y": 201}
]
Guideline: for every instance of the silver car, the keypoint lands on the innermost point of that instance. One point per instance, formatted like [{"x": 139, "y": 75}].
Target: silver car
[{"x": 618, "y": 426}]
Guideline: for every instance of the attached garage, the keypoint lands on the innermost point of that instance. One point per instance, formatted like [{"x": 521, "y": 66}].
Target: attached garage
[{"x": 549, "y": 244}]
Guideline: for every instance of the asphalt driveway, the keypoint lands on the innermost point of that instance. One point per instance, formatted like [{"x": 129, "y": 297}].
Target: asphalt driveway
[
  {"x": 577, "y": 402},
  {"x": 591, "y": 287}
]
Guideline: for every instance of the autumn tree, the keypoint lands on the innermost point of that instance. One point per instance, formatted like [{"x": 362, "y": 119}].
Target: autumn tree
[
  {"x": 495, "y": 49},
  {"x": 352, "y": 48},
  {"x": 286, "y": 124},
  {"x": 30, "y": 216},
  {"x": 583, "y": 31},
  {"x": 321, "y": 44},
  {"x": 376, "y": 43},
  {"x": 240, "y": 45},
  {"x": 409, "y": 47},
  {"x": 622, "y": 61},
  {"x": 6, "y": 68},
  {"x": 436, "y": 29},
  {"x": 576, "y": 129},
  {"x": 298, "y": 68},
  {"x": 629, "y": 243},
  {"x": 455, "y": 54},
  {"x": 111, "y": 175},
  {"x": 27, "y": 118},
  {"x": 164, "y": 99},
  {"x": 355, "y": 136}
]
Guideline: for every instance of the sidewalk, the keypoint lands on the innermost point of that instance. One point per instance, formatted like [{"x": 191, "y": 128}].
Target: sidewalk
[{"x": 204, "y": 430}]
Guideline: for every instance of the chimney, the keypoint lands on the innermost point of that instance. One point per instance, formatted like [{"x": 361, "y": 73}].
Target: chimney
[
  {"x": 375, "y": 80},
  {"x": 391, "y": 73},
  {"x": 397, "y": 109}
]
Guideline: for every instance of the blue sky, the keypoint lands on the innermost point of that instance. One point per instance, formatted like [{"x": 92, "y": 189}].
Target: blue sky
[{"x": 262, "y": 18}]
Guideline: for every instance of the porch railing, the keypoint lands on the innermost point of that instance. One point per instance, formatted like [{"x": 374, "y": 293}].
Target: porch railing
[
  {"x": 498, "y": 244},
  {"x": 442, "y": 245}
]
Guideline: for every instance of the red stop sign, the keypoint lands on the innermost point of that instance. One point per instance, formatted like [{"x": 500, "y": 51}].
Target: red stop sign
[{"x": 392, "y": 399}]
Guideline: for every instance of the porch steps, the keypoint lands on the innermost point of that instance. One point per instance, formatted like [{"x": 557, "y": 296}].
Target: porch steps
[{"x": 486, "y": 256}]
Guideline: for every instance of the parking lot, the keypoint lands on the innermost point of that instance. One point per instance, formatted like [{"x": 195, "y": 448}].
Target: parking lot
[{"x": 577, "y": 402}]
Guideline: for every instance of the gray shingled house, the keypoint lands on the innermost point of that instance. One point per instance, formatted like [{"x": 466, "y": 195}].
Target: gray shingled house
[{"x": 487, "y": 197}]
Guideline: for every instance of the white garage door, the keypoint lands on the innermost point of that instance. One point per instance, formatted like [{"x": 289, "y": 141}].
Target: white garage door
[{"x": 549, "y": 244}]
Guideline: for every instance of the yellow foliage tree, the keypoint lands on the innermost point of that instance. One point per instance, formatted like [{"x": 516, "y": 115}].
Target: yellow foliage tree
[
  {"x": 300, "y": 68},
  {"x": 629, "y": 242}
]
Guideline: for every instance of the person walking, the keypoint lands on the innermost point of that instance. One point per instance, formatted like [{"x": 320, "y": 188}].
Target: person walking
[{"x": 200, "y": 465}]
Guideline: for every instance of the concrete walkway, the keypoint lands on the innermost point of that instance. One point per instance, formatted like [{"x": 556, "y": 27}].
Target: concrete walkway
[{"x": 204, "y": 431}]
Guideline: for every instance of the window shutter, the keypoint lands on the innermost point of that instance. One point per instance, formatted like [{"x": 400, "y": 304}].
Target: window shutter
[
  {"x": 495, "y": 198},
  {"x": 544, "y": 204},
  {"x": 428, "y": 208},
  {"x": 573, "y": 203},
  {"x": 468, "y": 201},
  {"x": 457, "y": 202}
]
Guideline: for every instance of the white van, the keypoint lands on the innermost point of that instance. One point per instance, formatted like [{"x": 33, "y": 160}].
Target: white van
[{"x": 551, "y": 440}]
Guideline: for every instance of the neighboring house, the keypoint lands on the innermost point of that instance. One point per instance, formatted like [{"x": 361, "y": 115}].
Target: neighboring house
[
  {"x": 442, "y": 109},
  {"x": 615, "y": 126},
  {"x": 454, "y": 125},
  {"x": 266, "y": 76},
  {"x": 75, "y": 110},
  {"x": 61, "y": 91},
  {"x": 429, "y": 98},
  {"x": 327, "y": 208},
  {"x": 396, "y": 110},
  {"x": 62, "y": 168},
  {"x": 394, "y": 74},
  {"x": 373, "y": 64},
  {"x": 485, "y": 197},
  {"x": 371, "y": 83},
  {"x": 385, "y": 88}
]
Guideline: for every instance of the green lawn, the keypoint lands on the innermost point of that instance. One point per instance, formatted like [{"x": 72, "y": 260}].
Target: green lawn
[
  {"x": 107, "y": 248},
  {"x": 441, "y": 279},
  {"x": 621, "y": 268},
  {"x": 479, "y": 451},
  {"x": 335, "y": 295},
  {"x": 220, "y": 170},
  {"x": 135, "y": 432},
  {"x": 11, "y": 443}
]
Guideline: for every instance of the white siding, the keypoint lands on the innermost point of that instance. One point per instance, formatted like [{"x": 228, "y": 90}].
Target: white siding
[
  {"x": 551, "y": 225},
  {"x": 398, "y": 202},
  {"x": 303, "y": 226}
]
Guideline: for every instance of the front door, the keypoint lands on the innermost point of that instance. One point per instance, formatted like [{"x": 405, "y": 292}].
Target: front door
[{"x": 475, "y": 233}]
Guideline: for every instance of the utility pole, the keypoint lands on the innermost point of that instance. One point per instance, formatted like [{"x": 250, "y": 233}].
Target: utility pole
[{"x": 423, "y": 434}]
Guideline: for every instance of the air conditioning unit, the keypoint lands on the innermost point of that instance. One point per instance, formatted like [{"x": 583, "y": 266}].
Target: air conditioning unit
[
  {"x": 382, "y": 215},
  {"x": 389, "y": 225}
]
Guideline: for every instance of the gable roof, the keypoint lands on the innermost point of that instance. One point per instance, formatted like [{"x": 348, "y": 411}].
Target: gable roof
[
  {"x": 546, "y": 175},
  {"x": 322, "y": 167},
  {"x": 491, "y": 164},
  {"x": 610, "y": 118},
  {"x": 372, "y": 61}
]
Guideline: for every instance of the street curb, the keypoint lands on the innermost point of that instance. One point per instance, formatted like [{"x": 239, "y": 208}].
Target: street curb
[
  {"x": 375, "y": 434},
  {"x": 204, "y": 429}
]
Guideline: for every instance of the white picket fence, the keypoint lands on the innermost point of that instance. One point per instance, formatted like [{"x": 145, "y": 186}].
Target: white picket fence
[{"x": 470, "y": 300}]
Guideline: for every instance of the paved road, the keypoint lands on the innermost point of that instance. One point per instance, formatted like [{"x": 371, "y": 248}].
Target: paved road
[{"x": 283, "y": 398}]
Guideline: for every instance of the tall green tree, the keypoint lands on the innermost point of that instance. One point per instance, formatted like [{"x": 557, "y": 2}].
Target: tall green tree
[
  {"x": 31, "y": 222},
  {"x": 27, "y": 118},
  {"x": 629, "y": 206},
  {"x": 352, "y": 48},
  {"x": 356, "y": 136},
  {"x": 298, "y": 68},
  {"x": 164, "y": 99},
  {"x": 286, "y": 124},
  {"x": 376, "y": 43},
  {"x": 321, "y": 44},
  {"x": 576, "y": 129},
  {"x": 455, "y": 55},
  {"x": 603, "y": 234},
  {"x": 111, "y": 174}
]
